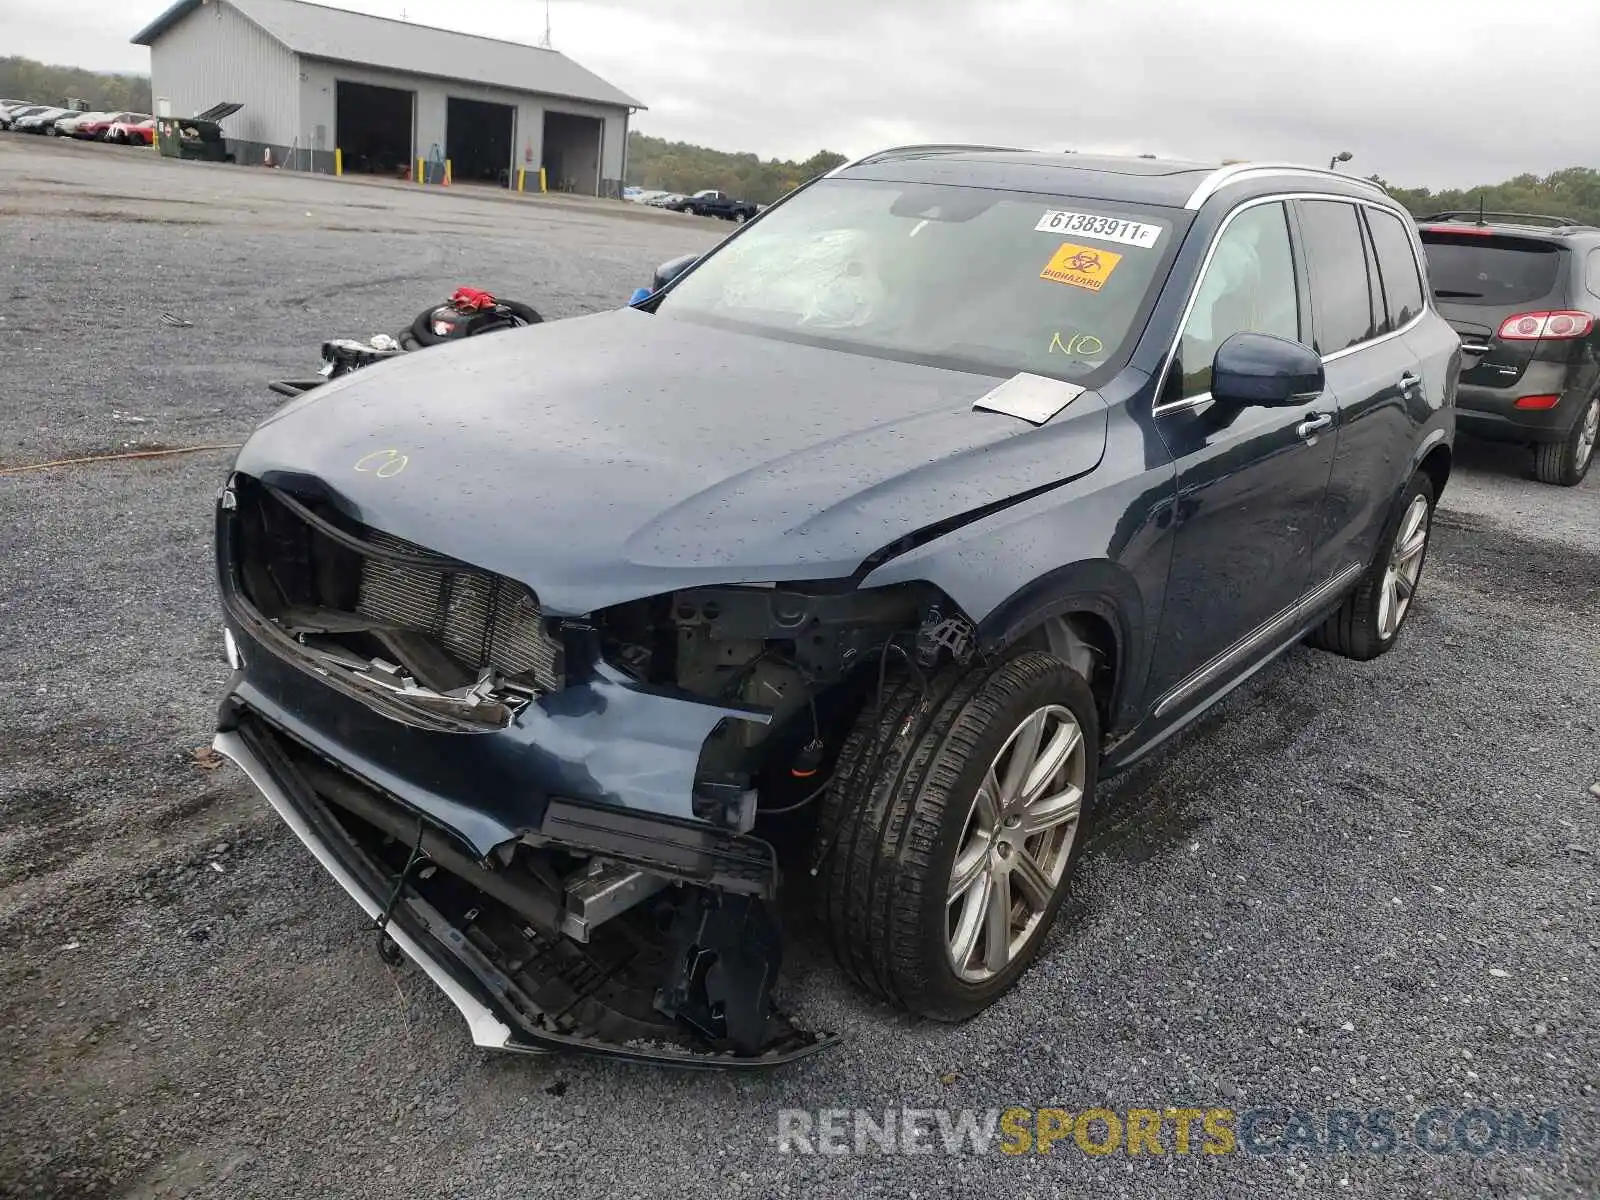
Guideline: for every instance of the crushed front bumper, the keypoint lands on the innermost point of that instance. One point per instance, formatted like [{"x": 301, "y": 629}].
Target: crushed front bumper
[{"x": 519, "y": 991}]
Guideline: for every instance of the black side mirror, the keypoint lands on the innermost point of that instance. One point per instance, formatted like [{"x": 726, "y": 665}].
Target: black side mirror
[
  {"x": 671, "y": 269},
  {"x": 1261, "y": 369}
]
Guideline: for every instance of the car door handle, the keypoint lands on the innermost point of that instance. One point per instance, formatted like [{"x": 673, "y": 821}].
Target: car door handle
[
  {"x": 1311, "y": 426},
  {"x": 1409, "y": 381}
]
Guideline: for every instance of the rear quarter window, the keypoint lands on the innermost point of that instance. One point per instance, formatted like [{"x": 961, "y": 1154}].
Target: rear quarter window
[
  {"x": 1397, "y": 265},
  {"x": 1341, "y": 295},
  {"x": 1493, "y": 270}
]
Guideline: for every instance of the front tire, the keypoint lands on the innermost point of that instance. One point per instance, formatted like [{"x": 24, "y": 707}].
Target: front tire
[
  {"x": 1368, "y": 622},
  {"x": 1566, "y": 462},
  {"x": 951, "y": 832}
]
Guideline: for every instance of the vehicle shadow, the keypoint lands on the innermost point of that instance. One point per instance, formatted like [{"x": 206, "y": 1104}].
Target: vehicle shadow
[{"x": 1493, "y": 458}]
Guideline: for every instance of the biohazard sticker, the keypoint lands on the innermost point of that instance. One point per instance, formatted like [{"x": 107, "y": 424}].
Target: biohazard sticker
[{"x": 1086, "y": 267}]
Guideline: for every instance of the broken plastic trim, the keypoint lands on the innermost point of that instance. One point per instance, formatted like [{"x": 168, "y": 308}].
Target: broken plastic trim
[
  {"x": 495, "y": 1016},
  {"x": 387, "y": 700},
  {"x": 491, "y": 700},
  {"x": 485, "y": 1027}
]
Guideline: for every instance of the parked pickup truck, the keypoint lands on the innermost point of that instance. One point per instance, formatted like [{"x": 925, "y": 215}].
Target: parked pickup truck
[{"x": 712, "y": 203}]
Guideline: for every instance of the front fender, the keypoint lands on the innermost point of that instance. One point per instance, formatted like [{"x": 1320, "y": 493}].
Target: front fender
[{"x": 1099, "y": 543}]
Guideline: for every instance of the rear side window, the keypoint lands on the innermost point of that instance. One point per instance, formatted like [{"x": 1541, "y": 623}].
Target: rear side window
[
  {"x": 1341, "y": 296},
  {"x": 1397, "y": 264},
  {"x": 1592, "y": 275},
  {"x": 1489, "y": 269}
]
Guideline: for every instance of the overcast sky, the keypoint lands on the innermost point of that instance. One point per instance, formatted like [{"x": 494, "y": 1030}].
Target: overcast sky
[{"x": 1420, "y": 92}]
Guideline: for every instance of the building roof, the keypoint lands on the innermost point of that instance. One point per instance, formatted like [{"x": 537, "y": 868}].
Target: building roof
[
  {"x": 336, "y": 34},
  {"x": 1159, "y": 181}
]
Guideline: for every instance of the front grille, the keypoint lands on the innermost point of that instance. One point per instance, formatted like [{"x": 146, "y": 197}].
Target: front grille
[{"x": 478, "y": 620}]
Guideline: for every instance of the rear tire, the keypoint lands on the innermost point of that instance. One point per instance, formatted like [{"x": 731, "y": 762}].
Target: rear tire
[
  {"x": 1565, "y": 463},
  {"x": 1371, "y": 617},
  {"x": 926, "y": 782}
]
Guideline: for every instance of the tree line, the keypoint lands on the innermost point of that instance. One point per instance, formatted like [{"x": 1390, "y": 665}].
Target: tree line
[
  {"x": 25, "y": 79},
  {"x": 1572, "y": 192},
  {"x": 680, "y": 167}
]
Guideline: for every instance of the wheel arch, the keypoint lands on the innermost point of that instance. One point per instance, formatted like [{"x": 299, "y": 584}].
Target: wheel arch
[
  {"x": 1089, "y": 614},
  {"x": 1435, "y": 462}
]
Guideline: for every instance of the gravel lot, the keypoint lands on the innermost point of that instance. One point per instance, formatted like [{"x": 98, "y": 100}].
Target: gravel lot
[{"x": 1352, "y": 887}]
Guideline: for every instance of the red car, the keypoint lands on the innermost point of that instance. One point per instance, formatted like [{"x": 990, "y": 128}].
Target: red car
[
  {"x": 99, "y": 127},
  {"x": 140, "y": 131}
]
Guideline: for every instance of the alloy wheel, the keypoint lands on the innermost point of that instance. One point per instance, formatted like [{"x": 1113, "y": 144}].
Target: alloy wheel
[
  {"x": 1404, "y": 569},
  {"x": 1015, "y": 844},
  {"x": 1588, "y": 434}
]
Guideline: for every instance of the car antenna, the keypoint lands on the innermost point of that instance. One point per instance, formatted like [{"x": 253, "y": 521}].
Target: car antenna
[{"x": 1481, "y": 221}]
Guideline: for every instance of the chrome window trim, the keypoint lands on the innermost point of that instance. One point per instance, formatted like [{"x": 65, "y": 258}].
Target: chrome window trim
[
  {"x": 1196, "y": 401},
  {"x": 1243, "y": 172}
]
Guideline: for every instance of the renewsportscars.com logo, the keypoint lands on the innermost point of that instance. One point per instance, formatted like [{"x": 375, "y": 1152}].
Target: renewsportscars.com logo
[{"x": 1165, "y": 1131}]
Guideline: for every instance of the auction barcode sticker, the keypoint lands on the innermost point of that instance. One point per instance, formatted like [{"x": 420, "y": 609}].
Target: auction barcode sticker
[{"x": 1106, "y": 229}]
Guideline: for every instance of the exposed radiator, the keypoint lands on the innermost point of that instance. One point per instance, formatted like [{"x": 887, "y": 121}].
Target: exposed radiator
[{"x": 479, "y": 621}]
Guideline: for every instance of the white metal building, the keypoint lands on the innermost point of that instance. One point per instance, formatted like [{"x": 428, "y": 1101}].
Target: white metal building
[{"x": 386, "y": 93}]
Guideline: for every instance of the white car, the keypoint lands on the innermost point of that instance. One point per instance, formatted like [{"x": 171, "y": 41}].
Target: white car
[{"x": 68, "y": 125}]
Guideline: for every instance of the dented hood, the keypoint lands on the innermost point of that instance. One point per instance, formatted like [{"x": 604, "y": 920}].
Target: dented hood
[{"x": 620, "y": 455}]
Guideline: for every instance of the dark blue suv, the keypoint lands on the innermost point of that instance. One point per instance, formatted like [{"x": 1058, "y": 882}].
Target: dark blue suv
[{"x": 848, "y": 559}]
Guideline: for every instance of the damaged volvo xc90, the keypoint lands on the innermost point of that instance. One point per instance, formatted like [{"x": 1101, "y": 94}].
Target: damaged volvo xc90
[{"x": 874, "y": 536}]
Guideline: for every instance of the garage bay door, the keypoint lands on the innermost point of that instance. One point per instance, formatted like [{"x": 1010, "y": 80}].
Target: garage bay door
[
  {"x": 572, "y": 152},
  {"x": 478, "y": 140},
  {"x": 374, "y": 128}
]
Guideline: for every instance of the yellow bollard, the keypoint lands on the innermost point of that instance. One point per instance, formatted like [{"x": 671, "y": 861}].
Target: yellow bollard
[
  {"x": 422, "y": 174},
  {"x": 522, "y": 179},
  {"x": 338, "y": 161},
  {"x": 447, "y": 172},
  {"x": 541, "y": 179}
]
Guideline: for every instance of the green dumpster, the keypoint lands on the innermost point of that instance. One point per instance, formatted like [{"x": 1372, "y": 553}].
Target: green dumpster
[{"x": 199, "y": 137}]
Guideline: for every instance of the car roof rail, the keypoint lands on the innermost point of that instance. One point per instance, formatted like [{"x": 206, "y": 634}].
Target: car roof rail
[
  {"x": 1243, "y": 172},
  {"x": 1481, "y": 217},
  {"x": 877, "y": 154}
]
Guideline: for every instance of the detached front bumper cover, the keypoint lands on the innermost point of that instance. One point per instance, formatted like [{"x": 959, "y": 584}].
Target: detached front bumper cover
[{"x": 496, "y": 1001}]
